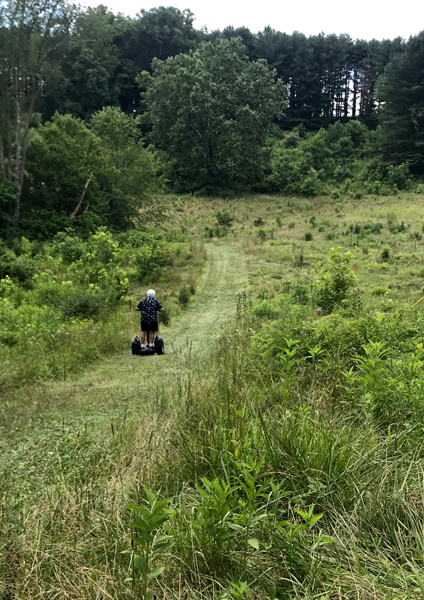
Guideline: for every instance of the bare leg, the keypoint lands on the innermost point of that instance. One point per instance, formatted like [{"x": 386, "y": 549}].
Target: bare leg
[
  {"x": 152, "y": 337},
  {"x": 143, "y": 337}
]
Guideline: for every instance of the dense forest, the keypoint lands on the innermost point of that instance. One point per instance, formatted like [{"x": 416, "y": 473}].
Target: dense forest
[{"x": 98, "y": 112}]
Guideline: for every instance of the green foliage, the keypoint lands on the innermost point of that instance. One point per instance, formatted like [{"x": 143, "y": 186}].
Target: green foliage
[
  {"x": 85, "y": 177},
  {"x": 57, "y": 298},
  {"x": 131, "y": 179},
  {"x": 339, "y": 155},
  {"x": 239, "y": 100},
  {"x": 7, "y": 197},
  {"x": 184, "y": 296},
  {"x": 379, "y": 290},
  {"x": 334, "y": 282},
  {"x": 83, "y": 304},
  {"x": 61, "y": 155},
  {"x": 308, "y": 236},
  {"x": 400, "y": 92},
  {"x": 266, "y": 310},
  {"x": 224, "y": 218},
  {"x": 149, "y": 541}
]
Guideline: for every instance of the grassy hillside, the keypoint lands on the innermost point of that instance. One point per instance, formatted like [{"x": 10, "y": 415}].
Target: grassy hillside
[{"x": 284, "y": 436}]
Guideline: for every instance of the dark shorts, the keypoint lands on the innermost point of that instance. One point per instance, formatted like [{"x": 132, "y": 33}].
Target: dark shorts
[{"x": 149, "y": 326}]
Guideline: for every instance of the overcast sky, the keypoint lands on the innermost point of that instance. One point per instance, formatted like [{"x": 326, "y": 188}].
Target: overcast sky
[{"x": 364, "y": 19}]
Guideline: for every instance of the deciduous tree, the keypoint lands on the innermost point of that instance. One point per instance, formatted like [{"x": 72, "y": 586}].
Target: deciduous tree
[
  {"x": 32, "y": 33},
  {"x": 211, "y": 111}
]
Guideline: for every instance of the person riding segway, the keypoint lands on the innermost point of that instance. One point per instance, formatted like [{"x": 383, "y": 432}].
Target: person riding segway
[{"x": 149, "y": 308}]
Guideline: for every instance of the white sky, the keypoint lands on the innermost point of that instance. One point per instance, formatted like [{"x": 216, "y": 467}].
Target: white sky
[{"x": 362, "y": 19}]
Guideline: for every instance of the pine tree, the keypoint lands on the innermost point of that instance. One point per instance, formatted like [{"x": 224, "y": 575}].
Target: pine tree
[{"x": 401, "y": 93}]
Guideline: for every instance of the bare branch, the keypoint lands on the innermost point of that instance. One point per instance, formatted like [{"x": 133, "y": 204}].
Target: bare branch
[{"x": 76, "y": 209}]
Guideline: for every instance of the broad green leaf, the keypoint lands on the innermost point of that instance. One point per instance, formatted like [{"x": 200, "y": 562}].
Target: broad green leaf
[
  {"x": 254, "y": 543},
  {"x": 140, "y": 563},
  {"x": 155, "y": 572},
  {"x": 315, "y": 519},
  {"x": 302, "y": 513}
]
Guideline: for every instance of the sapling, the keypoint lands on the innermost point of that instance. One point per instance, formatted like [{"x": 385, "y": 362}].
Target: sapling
[{"x": 148, "y": 540}]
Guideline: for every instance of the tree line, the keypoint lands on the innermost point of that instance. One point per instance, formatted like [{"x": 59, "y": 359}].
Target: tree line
[{"x": 194, "y": 110}]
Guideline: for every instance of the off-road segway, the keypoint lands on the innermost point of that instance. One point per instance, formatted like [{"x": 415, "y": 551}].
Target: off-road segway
[{"x": 137, "y": 350}]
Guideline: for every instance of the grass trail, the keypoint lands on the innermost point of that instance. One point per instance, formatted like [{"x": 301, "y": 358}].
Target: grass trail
[{"x": 116, "y": 388}]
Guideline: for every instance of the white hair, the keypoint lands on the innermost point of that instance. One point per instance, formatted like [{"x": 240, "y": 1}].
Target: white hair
[{"x": 150, "y": 293}]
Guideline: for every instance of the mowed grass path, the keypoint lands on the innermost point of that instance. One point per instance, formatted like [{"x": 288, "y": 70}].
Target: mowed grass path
[{"x": 39, "y": 423}]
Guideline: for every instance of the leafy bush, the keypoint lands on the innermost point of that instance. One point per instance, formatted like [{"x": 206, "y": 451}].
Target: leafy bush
[
  {"x": 308, "y": 236},
  {"x": 224, "y": 218},
  {"x": 311, "y": 185},
  {"x": 84, "y": 305},
  {"x": 334, "y": 281},
  {"x": 379, "y": 291},
  {"x": 183, "y": 296},
  {"x": 266, "y": 310},
  {"x": 56, "y": 291}
]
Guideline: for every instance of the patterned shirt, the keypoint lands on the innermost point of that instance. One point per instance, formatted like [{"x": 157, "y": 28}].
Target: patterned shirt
[{"x": 149, "y": 307}]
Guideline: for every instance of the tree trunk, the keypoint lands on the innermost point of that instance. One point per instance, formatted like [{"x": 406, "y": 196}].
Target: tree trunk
[
  {"x": 355, "y": 92},
  {"x": 21, "y": 157},
  {"x": 9, "y": 156},
  {"x": 76, "y": 209},
  {"x": 17, "y": 162},
  {"x": 2, "y": 169}
]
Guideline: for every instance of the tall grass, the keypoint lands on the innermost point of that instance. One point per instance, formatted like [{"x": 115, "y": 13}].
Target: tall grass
[{"x": 293, "y": 495}]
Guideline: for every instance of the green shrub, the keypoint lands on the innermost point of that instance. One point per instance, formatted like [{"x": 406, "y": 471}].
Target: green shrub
[
  {"x": 266, "y": 309},
  {"x": 224, "y": 218},
  {"x": 379, "y": 291},
  {"x": 83, "y": 304},
  {"x": 183, "y": 296},
  {"x": 301, "y": 294},
  {"x": 335, "y": 280},
  {"x": 308, "y": 236},
  {"x": 164, "y": 316},
  {"x": 385, "y": 255},
  {"x": 311, "y": 185}
]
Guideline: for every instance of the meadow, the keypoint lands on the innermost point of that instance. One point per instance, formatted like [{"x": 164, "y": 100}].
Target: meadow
[{"x": 274, "y": 452}]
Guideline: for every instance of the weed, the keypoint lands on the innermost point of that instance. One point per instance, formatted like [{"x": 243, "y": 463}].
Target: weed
[
  {"x": 224, "y": 218},
  {"x": 379, "y": 291},
  {"x": 184, "y": 296},
  {"x": 335, "y": 280},
  {"x": 150, "y": 543}
]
